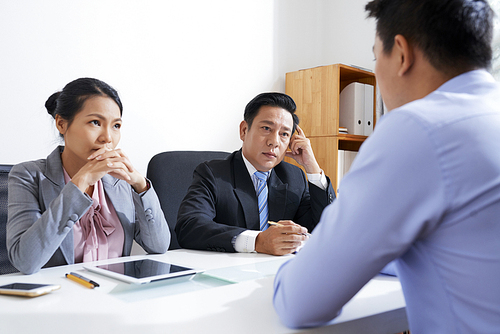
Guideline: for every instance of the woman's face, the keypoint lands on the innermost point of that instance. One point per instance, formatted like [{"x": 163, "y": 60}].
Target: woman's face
[{"x": 95, "y": 126}]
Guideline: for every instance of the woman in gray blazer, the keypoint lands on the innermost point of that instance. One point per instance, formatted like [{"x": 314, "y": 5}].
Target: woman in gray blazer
[{"x": 85, "y": 202}]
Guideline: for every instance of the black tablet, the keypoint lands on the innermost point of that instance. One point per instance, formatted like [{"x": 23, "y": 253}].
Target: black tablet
[{"x": 141, "y": 271}]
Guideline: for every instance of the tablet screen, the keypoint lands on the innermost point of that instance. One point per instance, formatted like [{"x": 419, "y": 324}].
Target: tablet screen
[
  {"x": 141, "y": 271},
  {"x": 143, "y": 268}
]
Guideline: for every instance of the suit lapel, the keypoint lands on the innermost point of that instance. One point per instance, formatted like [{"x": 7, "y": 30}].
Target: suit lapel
[
  {"x": 54, "y": 171},
  {"x": 277, "y": 197},
  {"x": 121, "y": 199},
  {"x": 245, "y": 192}
]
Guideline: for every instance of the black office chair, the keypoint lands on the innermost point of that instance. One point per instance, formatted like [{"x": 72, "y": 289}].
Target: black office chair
[
  {"x": 5, "y": 266},
  {"x": 171, "y": 174}
]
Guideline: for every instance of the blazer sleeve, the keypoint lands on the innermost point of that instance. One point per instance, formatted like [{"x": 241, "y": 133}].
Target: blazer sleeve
[
  {"x": 320, "y": 199},
  {"x": 314, "y": 200},
  {"x": 34, "y": 233},
  {"x": 205, "y": 220},
  {"x": 151, "y": 229}
]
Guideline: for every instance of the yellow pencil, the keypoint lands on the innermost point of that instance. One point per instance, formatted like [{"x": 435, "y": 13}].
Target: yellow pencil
[{"x": 81, "y": 281}]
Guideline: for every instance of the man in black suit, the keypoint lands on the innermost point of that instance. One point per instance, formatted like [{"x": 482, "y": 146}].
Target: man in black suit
[{"x": 221, "y": 210}]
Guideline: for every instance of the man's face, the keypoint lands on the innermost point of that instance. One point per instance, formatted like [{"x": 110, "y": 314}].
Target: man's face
[
  {"x": 266, "y": 141},
  {"x": 386, "y": 74}
]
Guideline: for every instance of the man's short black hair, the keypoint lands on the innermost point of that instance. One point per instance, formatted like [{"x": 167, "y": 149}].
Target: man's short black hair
[
  {"x": 274, "y": 100},
  {"x": 454, "y": 35}
]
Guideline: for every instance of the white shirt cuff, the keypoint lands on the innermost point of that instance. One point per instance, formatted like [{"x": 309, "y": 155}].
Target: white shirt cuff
[
  {"x": 319, "y": 180},
  {"x": 245, "y": 241}
]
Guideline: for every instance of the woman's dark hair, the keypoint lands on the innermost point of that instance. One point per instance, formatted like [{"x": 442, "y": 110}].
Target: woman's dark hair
[
  {"x": 68, "y": 102},
  {"x": 454, "y": 35},
  {"x": 270, "y": 99}
]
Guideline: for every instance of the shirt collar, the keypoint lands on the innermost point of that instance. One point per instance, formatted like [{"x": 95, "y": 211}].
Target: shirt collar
[
  {"x": 250, "y": 168},
  {"x": 462, "y": 82}
]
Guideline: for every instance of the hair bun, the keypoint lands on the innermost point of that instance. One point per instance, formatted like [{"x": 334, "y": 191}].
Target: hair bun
[{"x": 51, "y": 104}]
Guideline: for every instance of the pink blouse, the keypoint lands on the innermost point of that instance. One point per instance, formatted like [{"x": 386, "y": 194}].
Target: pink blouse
[{"x": 98, "y": 235}]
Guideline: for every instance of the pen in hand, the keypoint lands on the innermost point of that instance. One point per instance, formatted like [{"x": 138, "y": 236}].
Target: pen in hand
[
  {"x": 278, "y": 224},
  {"x": 82, "y": 280}
]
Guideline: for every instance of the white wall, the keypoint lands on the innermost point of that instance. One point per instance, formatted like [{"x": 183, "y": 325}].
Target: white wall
[
  {"x": 321, "y": 32},
  {"x": 184, "y": 69}
]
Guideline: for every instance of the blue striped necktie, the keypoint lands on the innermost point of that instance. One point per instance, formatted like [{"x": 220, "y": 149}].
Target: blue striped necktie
[{"x": 262, "y": 198}]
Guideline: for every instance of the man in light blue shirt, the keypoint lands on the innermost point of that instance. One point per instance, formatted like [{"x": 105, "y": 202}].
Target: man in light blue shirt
[{"x": 424, "y": 188}]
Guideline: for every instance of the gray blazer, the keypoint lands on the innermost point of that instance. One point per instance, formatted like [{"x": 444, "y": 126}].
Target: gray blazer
[{"x": 42, "y": 211}]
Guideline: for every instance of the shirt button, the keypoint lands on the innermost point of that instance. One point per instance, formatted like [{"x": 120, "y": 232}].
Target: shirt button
[{"x": 74, "y": 217}]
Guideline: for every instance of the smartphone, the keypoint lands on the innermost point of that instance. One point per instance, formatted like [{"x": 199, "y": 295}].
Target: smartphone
[{"x": 27, "y": 289}]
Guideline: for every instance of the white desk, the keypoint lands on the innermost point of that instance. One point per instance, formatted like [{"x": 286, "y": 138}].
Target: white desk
[{"x": 238, "y": 301}]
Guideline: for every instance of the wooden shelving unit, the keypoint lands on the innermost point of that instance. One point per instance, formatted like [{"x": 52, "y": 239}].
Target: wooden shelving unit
[{"x": 316, "y": 92}]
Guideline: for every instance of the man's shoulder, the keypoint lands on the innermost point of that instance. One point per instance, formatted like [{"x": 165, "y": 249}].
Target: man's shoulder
[
  {"x": 217, "y": 168},
  {"x": 471, "y": 94},
  {"x": 217, "y": 165}
]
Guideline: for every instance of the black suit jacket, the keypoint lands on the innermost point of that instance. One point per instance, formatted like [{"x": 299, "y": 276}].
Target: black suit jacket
[{"x": 221, "y": 202}]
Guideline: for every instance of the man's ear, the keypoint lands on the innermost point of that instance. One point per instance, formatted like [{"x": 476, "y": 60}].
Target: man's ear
[
  {"x": 243, "y": 130},
  {"x": 405, "y": 54},
  {"x": 61, "y": 124}
]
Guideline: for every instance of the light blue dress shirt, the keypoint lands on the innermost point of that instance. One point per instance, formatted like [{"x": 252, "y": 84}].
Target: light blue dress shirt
[{"x": 425, "y": 190}]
